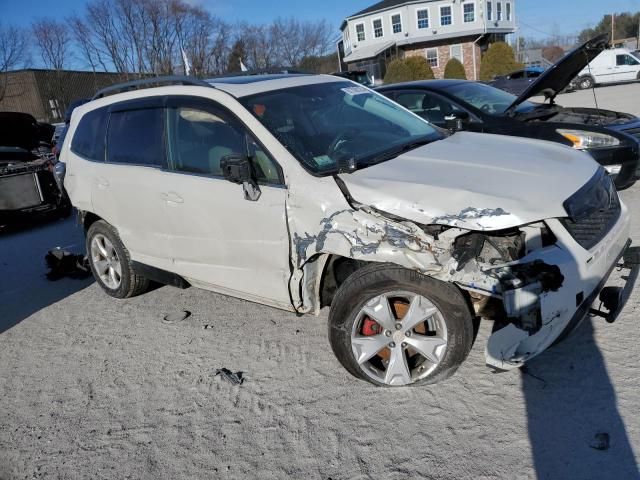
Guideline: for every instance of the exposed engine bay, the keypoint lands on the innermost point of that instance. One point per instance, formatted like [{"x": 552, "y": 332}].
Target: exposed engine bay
[{"x": 582, "y": 116}]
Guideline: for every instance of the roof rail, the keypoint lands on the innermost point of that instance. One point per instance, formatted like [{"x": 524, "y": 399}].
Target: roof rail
[
  {"x": 150, "y": 83},
  {"x": 264, "y": 71}
]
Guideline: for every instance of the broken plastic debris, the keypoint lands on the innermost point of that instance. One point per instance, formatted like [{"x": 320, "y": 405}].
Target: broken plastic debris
[
  {"x": 600, "y": 442},
  {"x": 62, "y": 263},
  {"x": 176, "y": 317},
  {"x": 231, "y": 377}
]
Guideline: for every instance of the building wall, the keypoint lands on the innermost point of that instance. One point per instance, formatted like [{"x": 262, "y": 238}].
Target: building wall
[
  {"x": 410, "y": 32},
  {"x": 444, "y": 48},
  {"x": 45, "y": 94},
  {"x": 19, "y": 93}
]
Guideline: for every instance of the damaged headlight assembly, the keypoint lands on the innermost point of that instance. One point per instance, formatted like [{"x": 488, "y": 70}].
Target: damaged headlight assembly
[{"x": 599, "y": 193}]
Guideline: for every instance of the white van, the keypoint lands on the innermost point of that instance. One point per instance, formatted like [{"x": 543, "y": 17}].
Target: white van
[{"x": 611, "y": 66}]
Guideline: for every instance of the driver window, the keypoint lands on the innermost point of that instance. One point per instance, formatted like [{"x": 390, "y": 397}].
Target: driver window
[
  {"x": 626, "y": 60},
  {"x": 517, "y": 75},
  {"x": 429, "y": 106},
  {"x": 200, "y": 138}
]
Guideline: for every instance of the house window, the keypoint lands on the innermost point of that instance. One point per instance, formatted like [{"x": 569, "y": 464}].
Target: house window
[
  {"x": 456, "y": 52},
  {"x": 508, "y": 12},
  {"x": 445, "y": 16},
  {"x": 377, "y": 28},
  {"x": 432, "y": 57},
  {"x": 469, "y": 10},
  {"x": 490, "y": 11},
  {"x": 396, "y": 23},
  {"x": 499, "y": 12},
  {"x": 360, "y": 32},
  {"x": 423, "y": 19}
]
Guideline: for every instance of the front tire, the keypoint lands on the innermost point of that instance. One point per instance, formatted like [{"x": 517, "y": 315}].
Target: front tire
[
  {"x": 394, "y": 327},
  {"x": 111, "y": 263},
  {"x": 586, "y": 83}
]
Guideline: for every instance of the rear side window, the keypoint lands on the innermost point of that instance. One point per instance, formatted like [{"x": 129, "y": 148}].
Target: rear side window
[
  {"x": 136, "y": 137},
  {"x": 88, "y": 139}
]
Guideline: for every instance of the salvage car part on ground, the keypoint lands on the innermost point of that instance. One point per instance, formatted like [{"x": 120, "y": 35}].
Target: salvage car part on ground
[{"x": 303, "y": 191}]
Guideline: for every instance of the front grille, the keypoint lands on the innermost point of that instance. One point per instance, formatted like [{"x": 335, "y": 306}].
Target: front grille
[{"x": 590, "y": 230}]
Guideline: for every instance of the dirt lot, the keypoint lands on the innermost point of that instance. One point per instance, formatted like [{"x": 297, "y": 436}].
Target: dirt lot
[{"x": 96, "y": 388}]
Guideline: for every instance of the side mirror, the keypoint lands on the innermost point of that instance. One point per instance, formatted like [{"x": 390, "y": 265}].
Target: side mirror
[
  {"x": 238, "y": 169},
  {"x": 457, "y": 121}
]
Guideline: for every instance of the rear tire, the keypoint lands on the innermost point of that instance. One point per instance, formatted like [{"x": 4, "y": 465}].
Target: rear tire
[
  {"x": 111, "y": 263},
  {"x": 429, "y": 350}
]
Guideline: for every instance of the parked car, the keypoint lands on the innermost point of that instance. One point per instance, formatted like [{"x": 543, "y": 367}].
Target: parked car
[
  {"x": 305, "y": 191},
  {"x": 612, "y": 138},
  {"x": 27, "y": 185},
  {"x": 360, "y": 76},
  {"x": 59, "y": 140},
  {"x": 518, "y": 81},
  {"x": 616, "y": 65}
]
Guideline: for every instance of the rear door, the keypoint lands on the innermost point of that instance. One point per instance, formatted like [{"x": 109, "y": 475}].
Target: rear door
[
  {"x": 127, "y": 187},
  {"x": 218, "y": 238}
]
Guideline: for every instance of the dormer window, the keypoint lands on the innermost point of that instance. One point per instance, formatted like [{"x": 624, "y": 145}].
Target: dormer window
[
  {"x": 490, "y": 11},
  {"x": 360, "y": 32},
  {"x": 499, "y": 12},
  {"x": 377, "y": 28},
  {"x": 446, "y": 17},
  {"x": 423, "y": 19},
  {"x": 396, "y": 23},
  {"x": 469, "y": 12}
]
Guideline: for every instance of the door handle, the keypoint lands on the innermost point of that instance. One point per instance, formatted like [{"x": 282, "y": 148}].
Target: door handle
[
  {"x": 172, "y": 197},
  {"x": 102, "y": 182}
]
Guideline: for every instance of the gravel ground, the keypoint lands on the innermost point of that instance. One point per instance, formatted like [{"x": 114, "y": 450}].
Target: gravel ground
[{"x": 96, "y": 388}]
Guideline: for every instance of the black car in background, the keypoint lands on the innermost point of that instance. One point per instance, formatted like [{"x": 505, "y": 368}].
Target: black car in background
[
  {"x": 359, "y": 76},
  {"x": 518, "y": 81},
  {"x": 612, "y": 138},
  {"x": 27, "y": 185}
]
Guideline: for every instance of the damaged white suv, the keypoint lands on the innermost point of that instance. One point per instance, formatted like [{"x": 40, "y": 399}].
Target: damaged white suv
[{"x": 303, "y": 191}]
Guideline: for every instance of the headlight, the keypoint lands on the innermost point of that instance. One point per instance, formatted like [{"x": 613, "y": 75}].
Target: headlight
[
  {"x": 582, "y": 139},
  {"x": 599, "y": 193}
]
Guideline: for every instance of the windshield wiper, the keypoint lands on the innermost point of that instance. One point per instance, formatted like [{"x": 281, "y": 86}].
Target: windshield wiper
[{"x": 391, "y": 154}]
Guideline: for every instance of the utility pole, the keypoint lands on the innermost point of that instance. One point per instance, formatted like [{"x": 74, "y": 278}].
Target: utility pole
[{"x": 613, "y": 29}]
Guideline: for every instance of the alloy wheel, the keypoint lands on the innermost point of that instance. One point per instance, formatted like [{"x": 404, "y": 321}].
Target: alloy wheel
[{"x": 398, "y": 338}]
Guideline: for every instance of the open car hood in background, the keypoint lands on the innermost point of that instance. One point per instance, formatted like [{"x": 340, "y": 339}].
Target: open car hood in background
[
  {"x": 22, "y": 131},
  {"x": 557, "y": 77}
]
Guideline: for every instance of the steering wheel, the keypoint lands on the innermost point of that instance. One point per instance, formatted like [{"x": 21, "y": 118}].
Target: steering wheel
[
  {"x": 345, "y": 135},
  {"x": 486, "y": 108}
]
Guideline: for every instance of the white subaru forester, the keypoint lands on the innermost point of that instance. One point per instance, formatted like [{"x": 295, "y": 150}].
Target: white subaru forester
[{"x": 305, "y": 191}]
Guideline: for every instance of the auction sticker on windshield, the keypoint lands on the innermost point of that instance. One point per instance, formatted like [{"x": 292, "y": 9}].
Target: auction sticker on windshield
[{"x": 355, "y": 90}]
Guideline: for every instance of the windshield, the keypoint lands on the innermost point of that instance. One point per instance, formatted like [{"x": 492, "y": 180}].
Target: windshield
[
  {"x": 338, "y": 126},
  {"x": 486, "y": 98}
]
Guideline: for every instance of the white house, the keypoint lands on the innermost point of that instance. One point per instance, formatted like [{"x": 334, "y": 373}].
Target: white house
[{"x": 436, "y": 29}]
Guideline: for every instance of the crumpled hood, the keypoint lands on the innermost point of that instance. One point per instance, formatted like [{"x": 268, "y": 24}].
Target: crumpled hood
[{"x": 475, "y": 181}]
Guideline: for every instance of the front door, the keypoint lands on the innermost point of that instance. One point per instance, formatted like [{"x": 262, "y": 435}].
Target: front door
[
  {"x": 627, "y": 68},
  {"x": 217, "y": 237}
]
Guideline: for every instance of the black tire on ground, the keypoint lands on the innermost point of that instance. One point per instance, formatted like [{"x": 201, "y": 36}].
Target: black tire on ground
[
  {"x": 376, "y": 279},
  {"x": 131, "y": 284},
  {"x": 586, "y": 82}
]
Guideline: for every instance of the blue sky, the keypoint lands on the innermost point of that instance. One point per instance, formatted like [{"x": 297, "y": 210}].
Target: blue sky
[{"x": 536, "y": 16}]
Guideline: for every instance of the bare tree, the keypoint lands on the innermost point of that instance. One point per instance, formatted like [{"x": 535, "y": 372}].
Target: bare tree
[
  {"x": 13, "y": 51},
  {"x": 53, "y": 43},
  {"x": 296, "y": 40}
]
